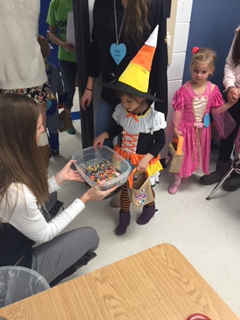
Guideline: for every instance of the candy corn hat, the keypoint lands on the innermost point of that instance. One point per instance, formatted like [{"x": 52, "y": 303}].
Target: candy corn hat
[{"x": 135, "y": 78}]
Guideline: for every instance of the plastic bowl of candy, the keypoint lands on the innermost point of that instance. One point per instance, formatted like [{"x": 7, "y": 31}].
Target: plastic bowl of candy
[{"x": 96, "y": 165}]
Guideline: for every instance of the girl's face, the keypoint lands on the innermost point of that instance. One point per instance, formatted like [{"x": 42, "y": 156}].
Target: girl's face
[
  {"x": 200, "y": 72},
  {"x": 130, "y": 104},
  {"x": 39, "y": 128}
]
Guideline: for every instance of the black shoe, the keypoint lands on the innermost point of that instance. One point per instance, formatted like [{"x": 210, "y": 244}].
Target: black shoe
[
  {"x": 233, "y": 182},
  {"x": 81, "y": 262},
  {"x": 210, "y": 179},
  {"x": 216, "y": 176},
  {"x": 85, "y": 259},
  {"x": 55, "y": 153}
]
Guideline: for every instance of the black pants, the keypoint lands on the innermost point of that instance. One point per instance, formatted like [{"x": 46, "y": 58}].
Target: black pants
[{"x": 226, "y": 145}]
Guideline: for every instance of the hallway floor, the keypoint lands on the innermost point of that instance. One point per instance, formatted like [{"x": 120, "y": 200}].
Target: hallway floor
[{"x": 206, "y": 232}]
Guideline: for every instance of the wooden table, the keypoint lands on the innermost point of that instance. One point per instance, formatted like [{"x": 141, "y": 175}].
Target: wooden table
[{"x": 158, "y": 283}]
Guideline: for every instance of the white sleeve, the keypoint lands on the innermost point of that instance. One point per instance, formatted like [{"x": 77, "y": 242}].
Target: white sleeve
[
  {"x": 117, "y": 112},
  {"x": 52, "y": 185},
  {"x": 28, "y": 219},
  {"x": 229, "y": 78}
]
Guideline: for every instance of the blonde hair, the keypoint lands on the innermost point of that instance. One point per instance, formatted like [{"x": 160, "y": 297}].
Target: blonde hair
[
  {"x": 203, "y": 55},
  {"x": 20, "y": 159}
]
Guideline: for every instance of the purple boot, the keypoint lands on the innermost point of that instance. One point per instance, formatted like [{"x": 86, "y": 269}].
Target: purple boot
[
  {"x": 147, "y": 214},
  {"x": 124, "y": 221}
]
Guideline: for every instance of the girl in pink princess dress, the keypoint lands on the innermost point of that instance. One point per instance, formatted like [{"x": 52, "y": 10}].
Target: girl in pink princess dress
[{"x": 192, "y": 105}]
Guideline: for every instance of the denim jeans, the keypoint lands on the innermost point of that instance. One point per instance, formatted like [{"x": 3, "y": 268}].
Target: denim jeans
[
  {"x": 104, "y": 119},
  {"x": 69, "y": 72}
]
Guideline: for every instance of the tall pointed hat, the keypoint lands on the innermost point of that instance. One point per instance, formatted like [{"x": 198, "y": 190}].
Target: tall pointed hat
[{"x": 135, "y": 78}]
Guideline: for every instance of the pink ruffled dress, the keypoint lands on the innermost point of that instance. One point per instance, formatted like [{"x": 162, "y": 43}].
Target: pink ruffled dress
[{"x": 195, "y": 110}]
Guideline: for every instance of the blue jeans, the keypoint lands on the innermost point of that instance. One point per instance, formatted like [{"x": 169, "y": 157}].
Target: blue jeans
[
  {"x": 69, "y": 72},
  {"x": 104, "y": 120}
]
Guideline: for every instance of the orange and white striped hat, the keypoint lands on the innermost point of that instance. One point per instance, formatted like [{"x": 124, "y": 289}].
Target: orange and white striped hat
[{"x": 135, "y": 78}]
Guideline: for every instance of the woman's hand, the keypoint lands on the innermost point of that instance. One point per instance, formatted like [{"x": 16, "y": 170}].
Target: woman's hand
[
  {"x": 233, "y": 95},
  {"x": 95, "y": 193},
  {"x": 68, "y": 174},
  {"x": 98, "y": 141},
  {"x": 86, "y": 99}
]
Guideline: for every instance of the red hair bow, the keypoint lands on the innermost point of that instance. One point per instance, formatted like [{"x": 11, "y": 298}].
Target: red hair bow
[{"x": 194, "y": 50}]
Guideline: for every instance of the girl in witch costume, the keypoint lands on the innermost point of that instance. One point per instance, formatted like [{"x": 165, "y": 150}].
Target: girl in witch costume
[{"x": 141, "y": 127}]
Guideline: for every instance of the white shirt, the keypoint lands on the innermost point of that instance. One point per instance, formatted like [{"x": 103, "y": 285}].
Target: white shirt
[
  {"x": 21, "y": 61},
  {"x": 231, "y": 73},
  {"x": 23, "y": 213}
]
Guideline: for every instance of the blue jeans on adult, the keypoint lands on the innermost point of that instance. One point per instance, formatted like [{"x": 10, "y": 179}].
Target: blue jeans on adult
[
  {"x": 104, "y": 119},
  {"x": 69, "y": 72}
]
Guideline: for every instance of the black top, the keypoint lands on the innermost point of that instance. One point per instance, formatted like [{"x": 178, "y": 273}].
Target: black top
[
  {"x": 100, "y": 62},
  {"x": 15, "y": 248}
]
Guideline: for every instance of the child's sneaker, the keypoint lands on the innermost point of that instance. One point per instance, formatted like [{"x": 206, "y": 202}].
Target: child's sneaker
[{"x": 55, "y": 153}]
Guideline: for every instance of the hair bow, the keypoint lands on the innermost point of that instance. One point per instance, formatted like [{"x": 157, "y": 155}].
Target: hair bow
[{"x": 194, "y": 50}]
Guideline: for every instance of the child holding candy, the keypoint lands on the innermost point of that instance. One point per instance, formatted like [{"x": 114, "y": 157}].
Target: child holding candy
[{"x": 140, "y": 126}]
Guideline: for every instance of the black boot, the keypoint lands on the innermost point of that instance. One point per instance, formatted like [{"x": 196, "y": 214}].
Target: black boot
[
  {"x": 214, "y": 177},
  {"x": 147, "y": 214},
  {"x": 124, "y": 221},
  {"x": 81, "y": 262},
  {"x": 233, "y": 182}
]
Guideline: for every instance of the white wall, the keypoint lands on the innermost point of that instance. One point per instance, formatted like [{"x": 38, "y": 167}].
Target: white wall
[{"x": 175, "y": 69}]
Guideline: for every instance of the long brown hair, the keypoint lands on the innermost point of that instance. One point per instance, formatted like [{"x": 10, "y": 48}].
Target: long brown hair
[
  {"x": 20, "y": 159},
  {"x": 136, "y": 19},
  {"x": 236, "y": 50}
]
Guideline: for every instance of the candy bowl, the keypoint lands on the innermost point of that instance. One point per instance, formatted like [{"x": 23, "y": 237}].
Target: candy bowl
[{"x": 102, "y": 164}]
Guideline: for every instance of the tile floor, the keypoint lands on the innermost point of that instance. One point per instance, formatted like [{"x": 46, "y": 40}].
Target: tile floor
[{"x": 206, "y": 232}]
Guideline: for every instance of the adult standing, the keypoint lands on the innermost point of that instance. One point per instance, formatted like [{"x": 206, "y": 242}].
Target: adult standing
[
  {"x": 231, "y": 82},
  {"x": 21, "y": 63},
  {"x": 120, "y": 28},
  {"x": 57, "y": 18}
]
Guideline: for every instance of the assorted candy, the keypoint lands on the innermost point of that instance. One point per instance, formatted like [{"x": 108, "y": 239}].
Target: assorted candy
[{"x": 102, "y": 171}]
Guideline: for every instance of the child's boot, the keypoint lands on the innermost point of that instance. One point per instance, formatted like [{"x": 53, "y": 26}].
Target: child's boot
[
  {"x": 124, "y": 221},
  {"x": 173, "y": 188},
  {"x": 147, "y": 214}
]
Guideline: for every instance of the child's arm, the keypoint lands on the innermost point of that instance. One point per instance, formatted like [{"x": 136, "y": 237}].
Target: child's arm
[
  {"x": 143, "y": 163},
  {"x": 177, "y": 114},
  {"x": 153, "y": 152},
  {"x": 98, "y": 141},
  {"x": 223, "y": 107}
]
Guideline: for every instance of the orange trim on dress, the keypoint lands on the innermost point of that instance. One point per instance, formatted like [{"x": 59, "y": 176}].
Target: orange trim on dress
[
  {"x": 133, "y": 115},
  {"x": 133, "y": 158}
]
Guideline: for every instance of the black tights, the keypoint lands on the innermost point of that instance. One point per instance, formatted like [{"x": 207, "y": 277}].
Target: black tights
[{"x": 226, "y": 145}]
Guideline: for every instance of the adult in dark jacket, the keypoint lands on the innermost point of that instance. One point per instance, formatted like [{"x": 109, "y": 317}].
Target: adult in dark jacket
[{"x": 120, "y": 28}]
